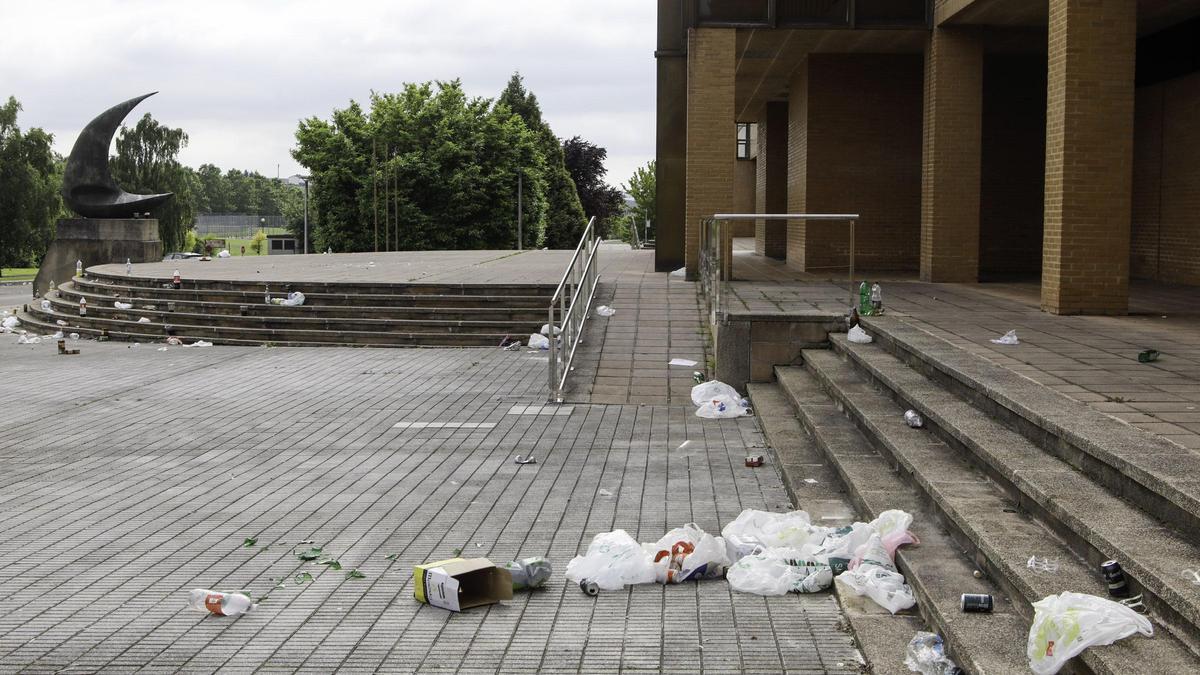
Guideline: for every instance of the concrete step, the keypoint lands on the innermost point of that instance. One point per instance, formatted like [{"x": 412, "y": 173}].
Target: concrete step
[
  {"x": 1159, "y": 476},
  {"x": 814, "y": 486},
  {"x": 102, "y": 308},
  {"x": 1097, "y": 524},
  {"x": 937, "y": 569},
  {"x": 319, "y": 287},
  {"x": 341, "y": 297},
  {"x": 1001, "y": 524}
]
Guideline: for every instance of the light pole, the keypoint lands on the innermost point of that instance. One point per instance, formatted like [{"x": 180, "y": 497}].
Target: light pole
[
  {"x": 520, "y": 193},
  {"x": 305, "y": 179}
]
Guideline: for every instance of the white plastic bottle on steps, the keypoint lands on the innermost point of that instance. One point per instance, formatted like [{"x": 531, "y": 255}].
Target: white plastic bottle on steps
[{"x": 221, "y": 604}]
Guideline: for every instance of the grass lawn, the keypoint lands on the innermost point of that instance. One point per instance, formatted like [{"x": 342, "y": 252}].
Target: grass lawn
[
  {"x": 235, "y": 246},
  {"x": 18, "y": 273}
]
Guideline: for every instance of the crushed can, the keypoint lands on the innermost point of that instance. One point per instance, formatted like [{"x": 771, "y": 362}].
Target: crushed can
[
  {"x": 698, "y": 377},
  {"x": 589, "y": 587},
  {"x": 1114, "y": 576},
  {"x": 913, "y": 419},
  {"x": 529, "y": 573}
]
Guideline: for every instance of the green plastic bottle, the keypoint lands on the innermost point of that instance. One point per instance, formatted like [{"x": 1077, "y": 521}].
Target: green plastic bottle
[{"x": 864, "y": 299}]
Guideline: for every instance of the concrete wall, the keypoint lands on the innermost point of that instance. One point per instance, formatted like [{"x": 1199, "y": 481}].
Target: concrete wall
[
  {"x": 854, "y": 144},
  {"x": 1012, "y": 179},
  {"x": 744, "y": 179},
  {"x": 1165, "y": 242}
]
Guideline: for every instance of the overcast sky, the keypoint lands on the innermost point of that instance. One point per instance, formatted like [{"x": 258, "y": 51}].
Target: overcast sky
[{"x": 237, "y": 76}]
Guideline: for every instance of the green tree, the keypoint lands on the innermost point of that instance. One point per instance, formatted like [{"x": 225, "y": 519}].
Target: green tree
[
  {"x": 565, "y": 218},
  {"x": 147, "y": 161},
  {"x": 585, "y": 162},
  {"x": 30, "y": 177},
  {"x": 642, "y": 188}
]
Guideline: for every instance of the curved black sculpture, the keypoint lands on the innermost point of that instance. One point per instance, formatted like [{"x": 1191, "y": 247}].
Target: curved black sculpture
[{"x": 88, "y": 187}]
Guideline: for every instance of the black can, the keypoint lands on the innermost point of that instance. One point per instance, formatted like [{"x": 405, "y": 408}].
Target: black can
[
  {"x": 976, "y": 602},
  {"x": 1114, "y": 576},
  {"x": 589, "y": 587}
]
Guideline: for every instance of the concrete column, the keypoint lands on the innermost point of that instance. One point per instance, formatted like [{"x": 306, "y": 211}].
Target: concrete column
[
  {"x": 770, "y": 239},
  {"x": 711, "y": 134},
  {"x": 950, "y": 158},
  {"x": 1089, "y": 156}
]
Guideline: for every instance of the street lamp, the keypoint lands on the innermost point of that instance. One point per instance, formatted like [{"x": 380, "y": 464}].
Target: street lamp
[{"x": 305, "y": 179}]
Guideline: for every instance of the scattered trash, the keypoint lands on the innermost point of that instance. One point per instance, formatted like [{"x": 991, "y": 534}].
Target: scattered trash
[
  {"x": 546, "y": 330},
  {"x": 143, "y": 319},
  {"x": 1044, "y": 565},
  {"x": 174, "y": 341},
  {"x": 604, "y": 493},
  {"x": 811, "y": 481},
  {"x": 589, "y": 588},
  {"x": 224, "y": 253},
  {"x": 294, "y": 299},
  {"x": 162, "y": 349},
  {"x": 1068, "y": 623},
  {"x": 220, "y": 604},
  {"x": 122, "y": 305},
  {"x": 778, "y": 571},
  {"x": 74, "y": 336},
  {"x": 913, "y": 419},
  {"x": 528, "y": 459},
  {"x": 876, "y": 299},
  {"x": 9, "y": 323},
  {"x": 613, "y": 559},
  {"x": 1135, "y": 603},
  {"x": 715, "y": 399},
  {"x": 877, "y": 578},
  {"x": 681, "y": 362},
  {"x": 681, "y": 272},
  {"x": 755, "y": 461},
  {"x": 510, "y": 345},
  {"x": 1114, "y": 576},
  {"x": 356, "y": 574},
  {"x": 1009, "y": 338},
  {"x": 859, "y": 336},
  {"x": 683, "y": 445},
  {"x": 1192, "y": 576},
  {"x": 46, "y": 306},
  {"x": 687, "y": 553},
  {"x": 698, "y": 377},
  {"x": 529, "y": 573},
  {"x": 62, "y": 349},
  {"x": 29, "y": 340},
  {"x": 1148, "y": 355},
  {"x": 605, "y": 310},
  {"x": 976, "y": 603},
  {"x": 926, "y": 654},
  {"x": 200, "y": 343},
  {"x": 459, "y": 583},
  {"x": 61, "y": 322},
  {"x": 58, "y": 335},
  {"x": 537, "y": 341}
]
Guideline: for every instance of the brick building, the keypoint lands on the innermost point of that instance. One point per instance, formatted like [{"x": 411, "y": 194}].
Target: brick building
[{"x": 978, "y": 139}]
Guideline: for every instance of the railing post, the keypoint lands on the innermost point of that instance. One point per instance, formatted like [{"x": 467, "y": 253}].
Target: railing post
[{"x": 851, "y": 283}]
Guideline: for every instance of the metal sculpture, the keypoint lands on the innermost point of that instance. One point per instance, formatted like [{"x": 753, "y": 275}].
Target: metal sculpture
[{"x": 88, "y": 187}]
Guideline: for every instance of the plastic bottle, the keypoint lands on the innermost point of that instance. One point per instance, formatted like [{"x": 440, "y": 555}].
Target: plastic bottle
[
  {"x": 864, "y": 299},
  {"x": 267, "y": 295},
  {"x": 221, "y": 604},
  {"x": 175, "y": 280},
  {"x": 128, "y": 267},
  {"x": 79, "y": 268},
  {"x": 876, "y": 299},
  {"x": 82, "y": 306},
  {"x": 529, "y": 573}
]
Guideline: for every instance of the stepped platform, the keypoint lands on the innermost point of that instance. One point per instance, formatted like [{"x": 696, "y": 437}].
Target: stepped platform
[{"x": 434, "y": 298}]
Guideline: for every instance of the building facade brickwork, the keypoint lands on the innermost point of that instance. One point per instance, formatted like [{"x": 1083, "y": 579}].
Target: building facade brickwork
[
  {"x": 770, "y": 239},
  {"x": 711, "y": 140}
]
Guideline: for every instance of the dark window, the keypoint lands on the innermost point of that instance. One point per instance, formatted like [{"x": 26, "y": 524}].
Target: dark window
[
  {"x": 289, "y": 244},
  {"x": 813, "y": 12},
  {"x": 882, "y": 13},
  {"x": 743, "y": 141},
  {"x": 276, "y": 245},
  {"x": 743, "y": 12}
]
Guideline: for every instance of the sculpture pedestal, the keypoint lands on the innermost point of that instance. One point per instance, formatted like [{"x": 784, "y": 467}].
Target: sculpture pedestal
[{"x": 96, "y": 241}]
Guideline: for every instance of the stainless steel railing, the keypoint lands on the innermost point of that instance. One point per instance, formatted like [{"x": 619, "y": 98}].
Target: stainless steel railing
[
  {"x": 716, "y": 250},
  {"x": 578, "y": 288}
]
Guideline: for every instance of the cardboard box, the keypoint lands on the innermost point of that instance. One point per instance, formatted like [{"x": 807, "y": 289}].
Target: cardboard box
[{"x": 461, "y": 583}]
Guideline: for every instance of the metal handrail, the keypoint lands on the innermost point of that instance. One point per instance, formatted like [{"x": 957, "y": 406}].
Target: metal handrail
[
  {"x": 637, "y": 240},
  {"x": 716, "y": 267},
  {"x": 577, "y": 280}
]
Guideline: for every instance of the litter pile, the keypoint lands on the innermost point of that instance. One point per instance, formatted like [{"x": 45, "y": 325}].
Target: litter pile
[
  {"x": 294, "y": 299},
  {"x": 716, "y": 400}
]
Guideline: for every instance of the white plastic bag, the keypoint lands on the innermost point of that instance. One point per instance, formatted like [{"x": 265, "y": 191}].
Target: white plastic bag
[
  {"x": 841, "y": 545},
  {"x": 761, "y": 529},
  {"x": 778, "y": 571},
  {"x": 143, "y": 320},
  {"x": 859, "y": 336},
  {"x": 200, "y": 343},
  {"x": 294, "y": 299},
  {"x": 46, "y": 306},
  {"x": 613, "y": 559},
  {"x": 10, "y": 323},
  {"x": 927, "y": 655},
  {"x": 681, "y": 272},
  {"x": 546, "y": 329},
  {"x": 122, "y": 305},
  {"x": 224, "y": 253},
  {"x": 706, "y": 391},
  {"x": 1068, "y": 623},
  {"x": 687, "y": 553},
  {"x": 892, "y": 527},
  {"x": 722, "y": 407},
  {"x": 605, "y": 310},
  {"x": 539, "y": 341},
  {"x": 57, "y": 336},
  {"x": 28, "y": 340},
  {"x": 1009, "y": 338},
  {"x": 886, "y": 587}
]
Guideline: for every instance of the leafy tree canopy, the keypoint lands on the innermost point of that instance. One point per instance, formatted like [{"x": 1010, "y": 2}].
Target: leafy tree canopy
[
  {"x": 30, "y": 176},
  {"x": 147, "y": 161},
  {"x": 585, "y": 162}
]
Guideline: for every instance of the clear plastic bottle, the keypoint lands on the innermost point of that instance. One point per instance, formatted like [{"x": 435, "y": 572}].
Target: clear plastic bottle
[
  {"x": 128, "y": 267},
  {"x": 529, "y": 573},
  {"x": 79, "y": 268},
  {"x": 221, "y": 604},
  {"x": 82, "y": 306}
]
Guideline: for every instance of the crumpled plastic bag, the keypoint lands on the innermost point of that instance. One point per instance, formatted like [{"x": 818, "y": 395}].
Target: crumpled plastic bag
[
  {"x": 1009, "y": 338},
  {"x": 859, "y": 336},
  {"x": 537, "y": 341},
  {"x": 58, "y": 335},
  {"x": 886, "y": 587},
  {"x": 143, "y": 319},
  {"x": 9, "y": 323},
  {"x": 706, "y": 391},
  {"x": 200, "y": 343},
  {"x": 927, "y": 655},
  {"x": 29, "y": 340},
  {"x": 122, "y": 305},
  {"x": 605, "y": 310},
  {"x": 754, "y": 529},
  {"x": 294, "y": 299},
  {"x": 687, "y": 553},
  {"x": 778, "y": 571},
  {"x": 224, "y": 253},
  {"x": 613, "y": 559},
  {"x": 723, "y": 407},
  {"x": 546, "y": 329},
  {"x": 1068, "y": 623},
  {"x": 892, "y": 527},
  {"x": 681, "y": 272},
  {"x": 46, "y": 306}
]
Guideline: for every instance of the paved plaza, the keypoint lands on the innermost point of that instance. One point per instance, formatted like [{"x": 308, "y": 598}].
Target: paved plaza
[{"x": 131, "y": 475}]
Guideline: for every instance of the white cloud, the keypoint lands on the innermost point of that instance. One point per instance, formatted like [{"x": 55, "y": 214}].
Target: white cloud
[{"x": 237, "y": 76}]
